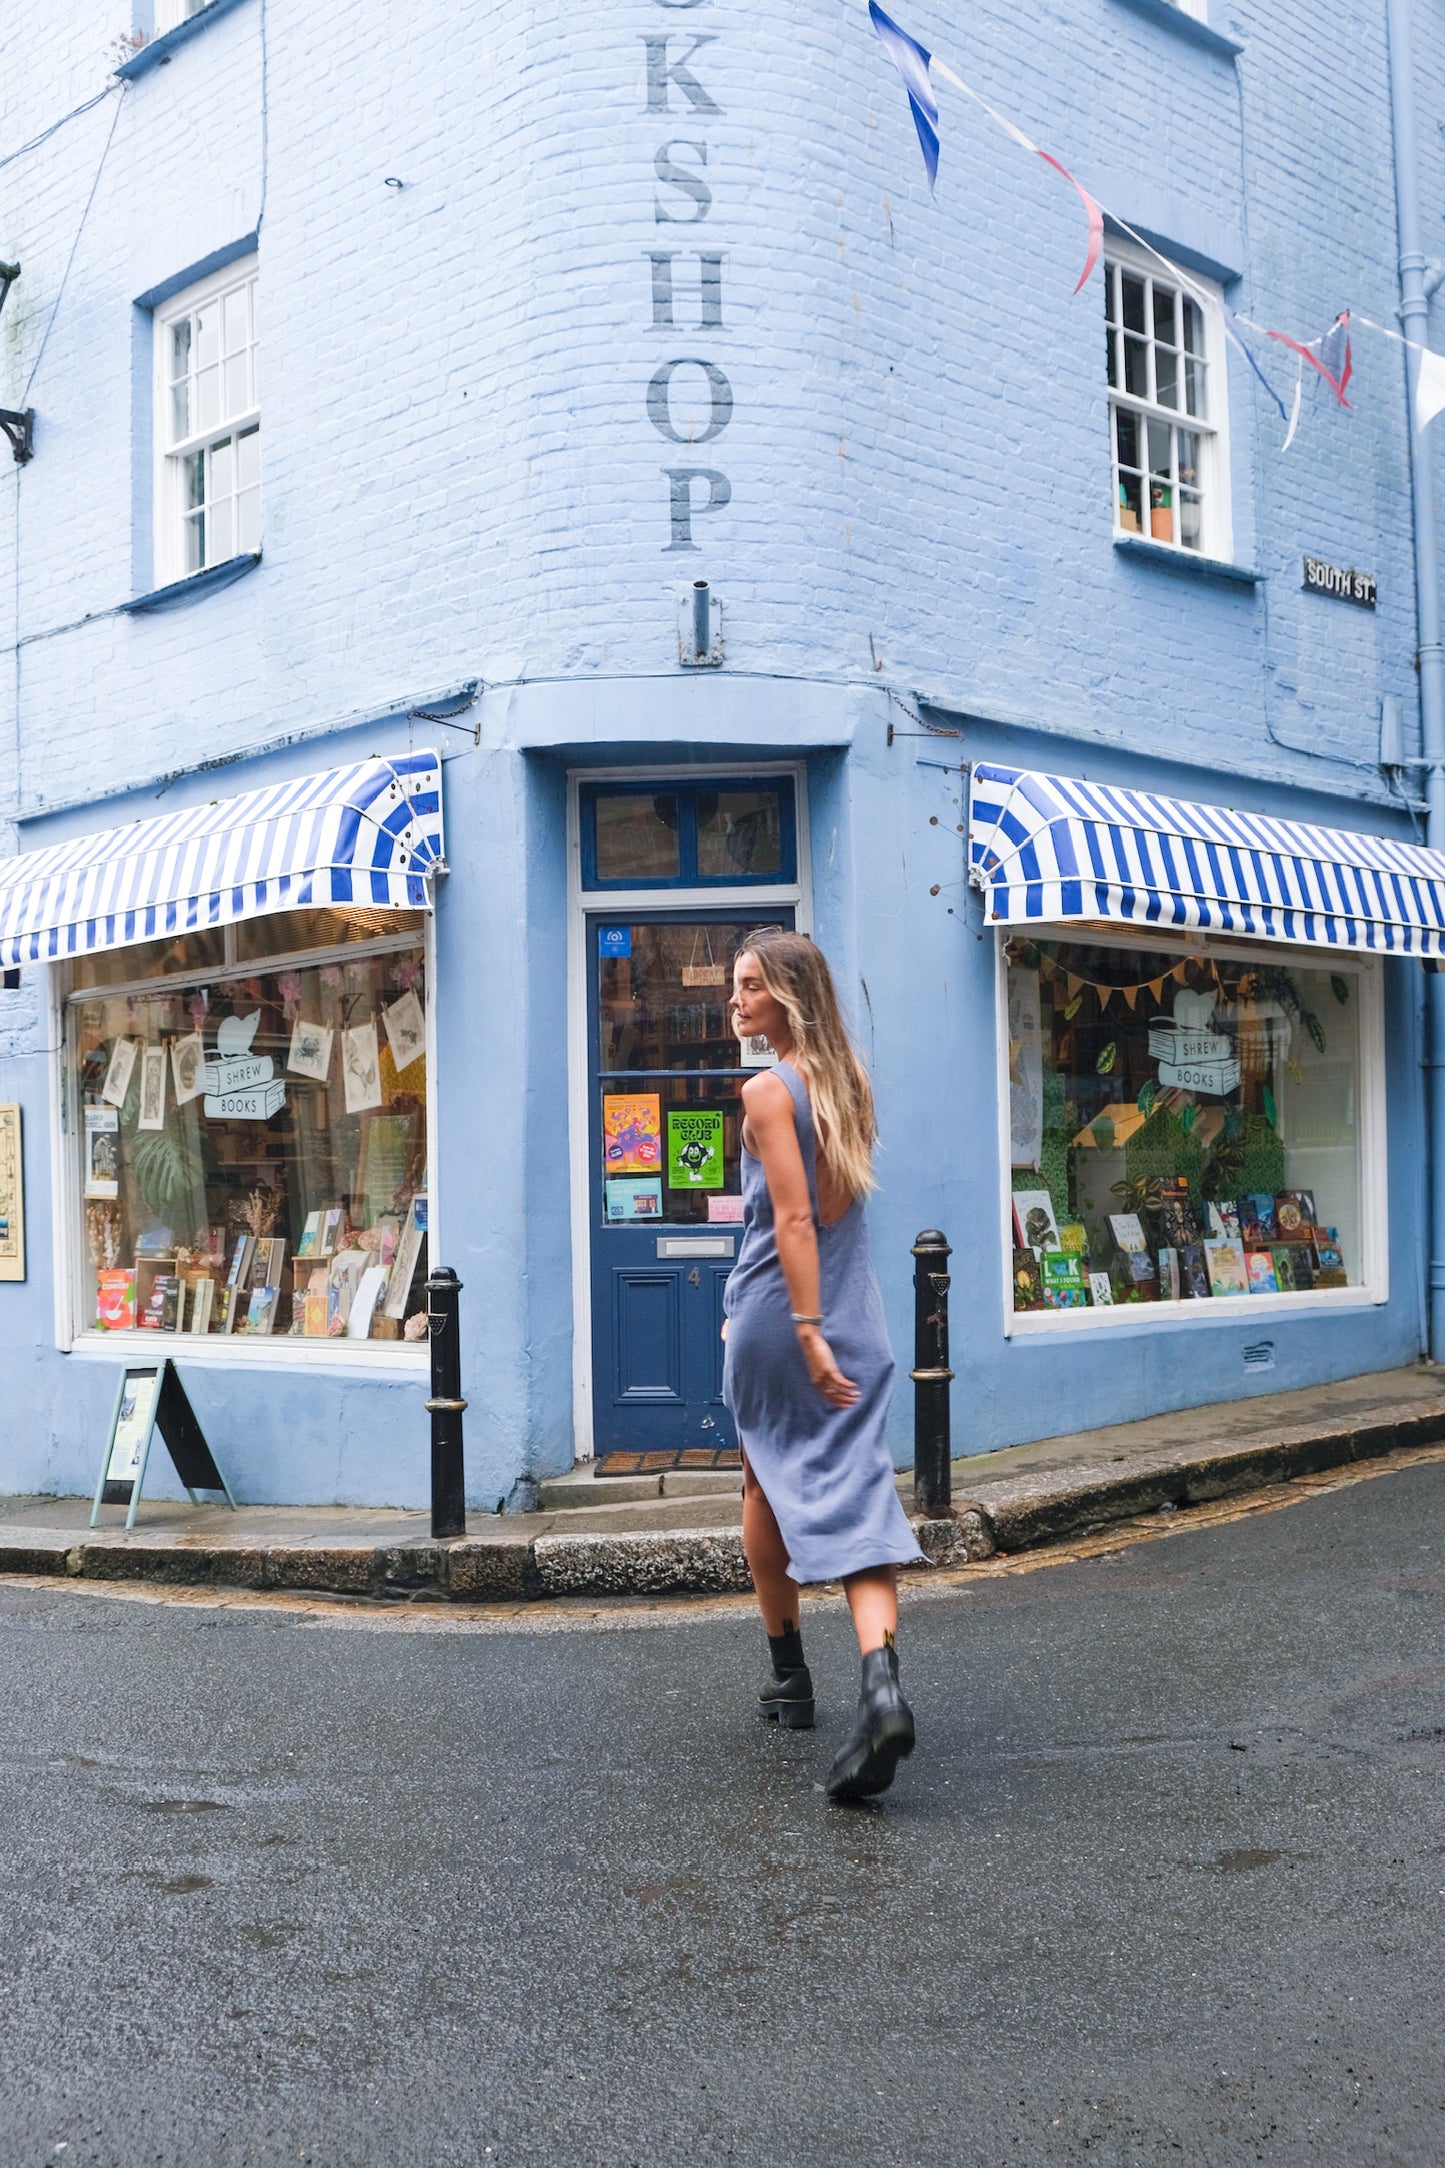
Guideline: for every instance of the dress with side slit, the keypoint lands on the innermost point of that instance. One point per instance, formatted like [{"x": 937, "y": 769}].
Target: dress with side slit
[{"x": 825, "y": 1471}]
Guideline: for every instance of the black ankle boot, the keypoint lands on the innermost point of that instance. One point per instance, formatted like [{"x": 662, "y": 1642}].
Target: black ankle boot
[
  {"x": 882, "y": 1734},
  {"x": 788, "y": 1696}
]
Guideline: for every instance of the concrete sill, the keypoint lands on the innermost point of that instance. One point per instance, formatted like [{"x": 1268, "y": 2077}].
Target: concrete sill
[
  {"x": 159, "y": 50},
  {"x": 195, "y": 584},
  {"x": 1188, "y": 27},
  {"x": 1184, "y": 564}
]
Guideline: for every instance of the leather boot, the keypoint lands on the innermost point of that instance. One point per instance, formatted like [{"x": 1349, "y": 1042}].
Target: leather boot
[
  {"x": 882, "y": 1734},
  {"x": 787, "y": 1698}
]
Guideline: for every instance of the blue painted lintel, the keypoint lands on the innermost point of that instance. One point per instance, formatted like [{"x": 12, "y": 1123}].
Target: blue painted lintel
[
  {"x": 159, "y": 50},
  {"x": 194, "y": 585},
  {"x": 1184, "y": 564},
  {"x": 1189, "y": 27}
]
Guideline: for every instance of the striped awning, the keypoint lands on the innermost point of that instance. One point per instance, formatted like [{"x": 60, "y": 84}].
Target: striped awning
[
  {"x": 366, "y": 834},
  {"x": 1048, "y": 847}
]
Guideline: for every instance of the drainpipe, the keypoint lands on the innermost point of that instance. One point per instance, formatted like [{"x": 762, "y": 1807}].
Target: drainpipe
[{"x": 1414, "y": 316}]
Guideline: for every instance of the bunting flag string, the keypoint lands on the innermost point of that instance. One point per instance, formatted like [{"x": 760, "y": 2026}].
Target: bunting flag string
[{"x": 917, "y": 66}]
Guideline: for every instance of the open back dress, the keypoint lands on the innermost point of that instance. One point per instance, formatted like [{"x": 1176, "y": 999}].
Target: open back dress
[{"x": 825, "y": 1471}]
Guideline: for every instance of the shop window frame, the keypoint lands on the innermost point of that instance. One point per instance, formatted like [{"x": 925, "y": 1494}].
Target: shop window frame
[
  {"x": 394, "y": 1363},
  {"x": 1373, "y": 1287}
]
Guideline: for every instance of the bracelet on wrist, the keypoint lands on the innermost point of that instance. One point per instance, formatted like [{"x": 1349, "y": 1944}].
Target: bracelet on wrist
[{"x": 806, "y": 1320}]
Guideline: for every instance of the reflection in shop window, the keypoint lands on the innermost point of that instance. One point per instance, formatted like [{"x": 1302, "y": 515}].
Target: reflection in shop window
[
  {"x": 1183, "y": 1127},
  {"x": 637, "y": 837},
  {"x": 253, "y": 1149}
]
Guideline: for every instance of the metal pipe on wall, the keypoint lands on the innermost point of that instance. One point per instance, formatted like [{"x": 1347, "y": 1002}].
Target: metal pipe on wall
[{"x": 1414, "y": 318}]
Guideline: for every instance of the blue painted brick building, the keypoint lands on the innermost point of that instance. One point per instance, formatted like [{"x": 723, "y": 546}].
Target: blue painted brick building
[{"x": 393, "y": 386}]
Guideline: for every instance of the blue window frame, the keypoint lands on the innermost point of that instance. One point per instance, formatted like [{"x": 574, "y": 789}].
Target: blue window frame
[{"x": 722, "y": 832}]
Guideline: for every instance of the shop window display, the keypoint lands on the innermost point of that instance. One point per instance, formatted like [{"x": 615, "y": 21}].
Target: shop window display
[
  {"x": 253, "y": 1141},
  {"x": 1185, "y": 1127}
]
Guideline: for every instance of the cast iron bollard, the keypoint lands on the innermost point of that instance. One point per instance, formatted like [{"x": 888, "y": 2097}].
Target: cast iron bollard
[
  {"x": 448, "y": 1480},
  {"x": 932, "y": 1475}
]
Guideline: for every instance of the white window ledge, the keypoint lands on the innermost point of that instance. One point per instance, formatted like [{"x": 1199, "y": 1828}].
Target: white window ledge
[
  {"x": 404, "y": 1362},
  {"x": 1184, "y": 25},
  {"x": 157, "y": 52},
  {"x": 193, "y": 586},
  {"x": 1194, "y": 1315},
  {"x": 1186, "y": 564}
]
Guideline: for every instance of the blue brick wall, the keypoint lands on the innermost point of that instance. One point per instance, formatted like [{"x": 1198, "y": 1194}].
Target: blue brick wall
[{"x": 462, "y": 480}]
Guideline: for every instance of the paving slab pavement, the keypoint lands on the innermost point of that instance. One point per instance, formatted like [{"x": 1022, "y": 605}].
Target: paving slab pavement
[{"x": 684, "y": 1537}]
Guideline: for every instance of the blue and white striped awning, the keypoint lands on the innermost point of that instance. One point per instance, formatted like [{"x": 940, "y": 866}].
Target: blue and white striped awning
[
  {"x": 1048, "y": 847},
  {"x": 366, "y": 834}
]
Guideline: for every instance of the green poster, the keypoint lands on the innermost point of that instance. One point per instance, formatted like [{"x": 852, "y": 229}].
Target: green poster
[{"x": 695, "y": 1150}]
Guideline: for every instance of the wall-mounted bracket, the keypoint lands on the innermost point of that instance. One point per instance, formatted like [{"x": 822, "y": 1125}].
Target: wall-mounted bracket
[{"x": 19, "y": 427}]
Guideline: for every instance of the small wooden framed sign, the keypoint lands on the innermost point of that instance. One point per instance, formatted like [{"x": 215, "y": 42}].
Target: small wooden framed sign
[
  {"x": 151, "y": 1397},
  {"x": 12, "y": 1196}
]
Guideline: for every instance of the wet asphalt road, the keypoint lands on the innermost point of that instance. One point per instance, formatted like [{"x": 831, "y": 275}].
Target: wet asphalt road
[{"x": 1164, "y": 1880}]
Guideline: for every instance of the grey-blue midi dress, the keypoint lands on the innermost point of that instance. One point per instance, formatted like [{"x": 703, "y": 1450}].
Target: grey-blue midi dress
[{"x": 825, "y": 1471}]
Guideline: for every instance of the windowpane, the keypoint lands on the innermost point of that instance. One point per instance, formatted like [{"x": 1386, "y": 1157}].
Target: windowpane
[
  {"x": 253, "y": 1153},
  {"x": 1126, "y": 436},
  {"x": 248, "y": 521},
  {"x": 221, "y": 467},
  {"x": 180, "y": 347},
  {"x": 1131, "y": 502},
  {"x": 248, "y": 458},
  {"x": 1166, "y": 376},
  {"x": 208, "y": 334},
  {"x": 637, "y": 837},
  {"x": 1112, "y": 338},
  {"x": 180, "y": 410},
  {"x": 1133, "y": 292},
  {"x": 234, "y": 326},
  {"x": 1188, "y": 443},
  {"x": 1164, "y": 316},
  {"x": 1191, "y": 523},
  {"x": 1160, "y": 440},
  {"x": 208, "y": 398},
  {"x": 1111, "y": 292},
  {"x": 194, "y": 542},
  {"x": 218, "y": 536},
  {"x": 194, "y": 469},
  {"x": 237, "y": 384},
  {"x": 1192, "y": 1137},
  {"x": 739, "y": 832},
  {"x": 1136, "y": 367},
  {"x": 1193, "y": 326},
  {"x": 152, "y": 959},
  {"x": 1194, "y": 387}
]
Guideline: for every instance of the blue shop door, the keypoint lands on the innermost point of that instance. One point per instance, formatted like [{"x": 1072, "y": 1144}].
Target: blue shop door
[{"x": 666, "y": 1183}]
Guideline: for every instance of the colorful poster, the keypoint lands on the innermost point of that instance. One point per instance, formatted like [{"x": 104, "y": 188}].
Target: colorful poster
[
  {"x": 133, "y": 1423},
  {"x": 631, "y": 1199},
  {"x": 695, "y": 1149},
  {"x": 631, "y": 1133}
]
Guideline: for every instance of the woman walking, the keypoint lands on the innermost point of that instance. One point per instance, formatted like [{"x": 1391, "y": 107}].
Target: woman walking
[{"x": 808, "y": 1371}]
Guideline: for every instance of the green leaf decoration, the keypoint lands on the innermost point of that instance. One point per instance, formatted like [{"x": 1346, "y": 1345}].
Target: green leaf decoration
[
  {"x": 1315, "y": 1029},
  {"x": 1297, "y": 1074},
  {"x": 1188, "y": 1116},
  {"x": 1073, "y": 1008},
  {"x": 1148, "y": 1093},
  {"x": 1108, "y": 1058},
  {"x": 1340, "y": 988},
  {"x": 1102, "y": 1132},
  {"x": 1271, "y": 1112}
]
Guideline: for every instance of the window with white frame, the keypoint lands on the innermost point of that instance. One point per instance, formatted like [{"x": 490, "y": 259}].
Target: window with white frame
[
  {"x": 208, "y": 425},
  {"x": 1166, "y": 406},
  {"x": 170, "y": 14}
]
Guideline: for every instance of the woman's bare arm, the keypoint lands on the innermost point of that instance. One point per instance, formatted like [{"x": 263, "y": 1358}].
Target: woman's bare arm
[{"x": 768, "y": 1106}]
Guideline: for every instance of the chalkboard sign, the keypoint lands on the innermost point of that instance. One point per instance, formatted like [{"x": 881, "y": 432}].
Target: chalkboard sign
[{"x": 151, "y": 1397}]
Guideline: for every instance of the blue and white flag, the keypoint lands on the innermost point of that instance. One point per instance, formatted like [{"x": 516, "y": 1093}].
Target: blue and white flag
[{"x": 911, "y": 61}]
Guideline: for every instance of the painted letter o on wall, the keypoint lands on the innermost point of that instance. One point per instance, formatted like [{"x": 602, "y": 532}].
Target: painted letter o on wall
[{"x": 659, "y": 402}]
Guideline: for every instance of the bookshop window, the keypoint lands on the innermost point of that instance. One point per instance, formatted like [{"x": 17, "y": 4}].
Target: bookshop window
[
  {"x": 252, "y": 1132},
  {"x": 1185, "y": 1127}
]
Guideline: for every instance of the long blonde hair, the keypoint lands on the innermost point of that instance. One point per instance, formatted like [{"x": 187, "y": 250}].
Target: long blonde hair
[{"x": 795, "y": 972}]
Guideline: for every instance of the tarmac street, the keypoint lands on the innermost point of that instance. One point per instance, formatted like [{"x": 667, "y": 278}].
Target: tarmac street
[{"x": 1166, "y": 1877}]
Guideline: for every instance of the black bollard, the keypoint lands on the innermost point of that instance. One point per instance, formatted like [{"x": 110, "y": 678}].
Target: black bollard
[
  {"x": 932, "y": 1474},
  {"x": 448, "y": 1476}
]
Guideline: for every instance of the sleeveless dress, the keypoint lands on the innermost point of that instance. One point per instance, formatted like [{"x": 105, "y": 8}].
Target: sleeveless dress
[{"x": 825, "y": 1471}]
